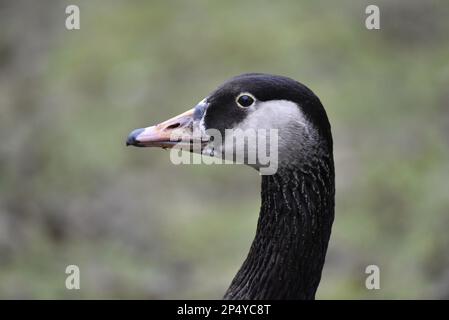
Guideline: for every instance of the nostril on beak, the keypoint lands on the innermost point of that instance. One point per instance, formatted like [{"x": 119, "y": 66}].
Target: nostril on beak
[
  {"x": 173, "y": 126},
  {"x": 132, "y": 137}
]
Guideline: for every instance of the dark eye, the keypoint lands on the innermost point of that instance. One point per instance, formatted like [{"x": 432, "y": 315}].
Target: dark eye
[{"x": 245, "y": 100}]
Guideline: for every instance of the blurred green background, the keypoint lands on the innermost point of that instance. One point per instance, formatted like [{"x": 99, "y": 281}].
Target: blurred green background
[{"x": 140, "y": 227}]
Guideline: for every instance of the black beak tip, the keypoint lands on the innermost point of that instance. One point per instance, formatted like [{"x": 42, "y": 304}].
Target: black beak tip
[{"x": 132, "y": 137}]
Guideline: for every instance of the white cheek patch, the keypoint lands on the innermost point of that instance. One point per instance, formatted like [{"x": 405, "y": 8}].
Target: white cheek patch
[
  {"x": 273, "y": 114},
  {"x": 272, "y": 132},
  {"x": 295, "y": 133}
]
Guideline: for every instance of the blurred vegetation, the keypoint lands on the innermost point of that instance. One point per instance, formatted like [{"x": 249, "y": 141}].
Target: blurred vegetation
[{"x": 140, "y": 227}]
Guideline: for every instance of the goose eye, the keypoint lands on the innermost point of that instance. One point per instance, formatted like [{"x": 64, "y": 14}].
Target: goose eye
[{"x": 245, "y": 100}]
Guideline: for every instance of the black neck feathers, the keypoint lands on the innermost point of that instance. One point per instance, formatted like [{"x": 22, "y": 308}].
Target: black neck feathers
[{"x": 287, "y": 255}]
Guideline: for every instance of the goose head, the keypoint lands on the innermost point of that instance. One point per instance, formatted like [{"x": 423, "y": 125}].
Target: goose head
[{"x": 259, "y": 110}]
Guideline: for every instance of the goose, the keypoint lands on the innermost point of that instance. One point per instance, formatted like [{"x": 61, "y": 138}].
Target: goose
[{"x": 287, "y": 255}]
